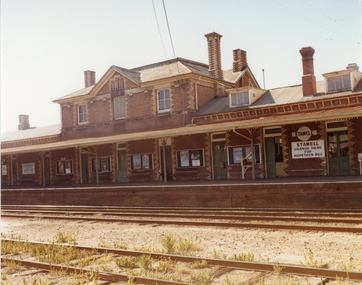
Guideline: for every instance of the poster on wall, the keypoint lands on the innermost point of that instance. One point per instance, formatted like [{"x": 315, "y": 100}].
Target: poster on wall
[
  {"x": 184, "y": 157},
  {"x": 195, "y": 158},
  {"x": 4, "y": 170},
  {"x": 308, "y": 149},
  {"x": 28, "y": 168}
]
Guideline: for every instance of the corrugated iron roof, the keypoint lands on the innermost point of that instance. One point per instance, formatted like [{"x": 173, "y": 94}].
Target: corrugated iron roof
[
  {"x": 277, "y": 96},
  {"x": 32, "y": 133}
]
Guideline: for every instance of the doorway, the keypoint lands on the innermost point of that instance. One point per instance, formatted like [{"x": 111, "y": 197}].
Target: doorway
[
  {"x": 121, "y": 173},
  {"x": 219, "y": 160},
  {"x": 273, "y": 152},
  {"x": 338, "y": 153},
  {"x": 84, "y": 167},
  {"x": 46, "y": 170},
  {"x": 168, "y": 163}
]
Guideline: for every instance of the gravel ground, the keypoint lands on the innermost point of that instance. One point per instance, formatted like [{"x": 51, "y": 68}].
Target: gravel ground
[{"x": 336, "y": 250}]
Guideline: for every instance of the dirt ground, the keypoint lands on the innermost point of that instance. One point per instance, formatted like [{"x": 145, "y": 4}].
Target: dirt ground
[{"x": 336, "y": 250}]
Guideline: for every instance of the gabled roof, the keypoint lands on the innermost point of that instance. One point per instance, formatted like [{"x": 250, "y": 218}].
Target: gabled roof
[
  {"x": 32, "y": 133},
  {"x": 151, "y": 73}
]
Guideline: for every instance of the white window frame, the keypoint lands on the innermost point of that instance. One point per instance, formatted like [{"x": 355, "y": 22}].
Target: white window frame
[
  {"x": 346, "y": 82},
  {"x": 238, "y": 99},
  {"x": 164, "y": 101},
  {"x": 82, "y": 116},
  {"x": 120, "y": 114}
]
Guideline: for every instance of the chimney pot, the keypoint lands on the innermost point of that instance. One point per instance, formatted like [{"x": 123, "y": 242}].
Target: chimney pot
[
  {"x": 352, "y": 67},
  {"x": 309, "y": 84},
  {"x": 89, "y": 78},
  {"x": 213, "y": 41},
  {"x": 23, "y": 122}
]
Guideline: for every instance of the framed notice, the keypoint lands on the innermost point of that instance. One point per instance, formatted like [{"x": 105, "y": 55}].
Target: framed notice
[
  {"x": 4, "y": 170},
  {"x": 28, "y": 168}
]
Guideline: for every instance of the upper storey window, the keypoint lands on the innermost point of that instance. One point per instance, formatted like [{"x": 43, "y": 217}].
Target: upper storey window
[
  {"x": 338, "y": 83},
  {"x": 239, "y": 99},
  {"x": 163, "y": 100},
  {"x": 82, "y": 114},
  {"x": 119, "y": 107},
  {"x": 117, "y": 86}
]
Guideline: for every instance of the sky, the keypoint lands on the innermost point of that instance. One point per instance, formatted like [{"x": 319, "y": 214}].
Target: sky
[{"x": 46, "y": 45}]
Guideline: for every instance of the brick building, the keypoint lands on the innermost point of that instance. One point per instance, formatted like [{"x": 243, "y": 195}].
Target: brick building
[{"x": 184, "y": 120}]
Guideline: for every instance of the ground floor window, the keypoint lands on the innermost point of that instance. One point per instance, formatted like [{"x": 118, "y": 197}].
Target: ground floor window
[
  {"x": 141, "y": 161},
  {"x": 64, "y": 167},
  {"x": 103, "y": 164},
  {"x": 187, "y": 158},
  {"x": 236, "y": 153}
]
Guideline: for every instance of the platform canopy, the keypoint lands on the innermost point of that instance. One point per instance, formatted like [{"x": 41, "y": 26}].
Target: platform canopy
[{"x": 259, "y": 122}]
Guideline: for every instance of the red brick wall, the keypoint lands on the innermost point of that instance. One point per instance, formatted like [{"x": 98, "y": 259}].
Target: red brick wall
[
  {"x": 204, "y": 94},
  {"x": 149, "y": 146},
  {"x": 68, "y": 114},
  {"x": 32, "y": 157},
  {"x": 58, "y": 155},
  {"x": 302, "y": 166},
  {"x": 191, "y": 142},
  {"x": 140, "y": 104}
]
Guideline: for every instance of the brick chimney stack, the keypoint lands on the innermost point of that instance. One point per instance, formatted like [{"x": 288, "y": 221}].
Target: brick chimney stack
[
  {"x": 89, "y": 78},
  {"x": 213, "y": 42},
  {"x": 23, "y": 122},
  {"x": 240, "y": 61},
  {"x": 309, "y": 84}
]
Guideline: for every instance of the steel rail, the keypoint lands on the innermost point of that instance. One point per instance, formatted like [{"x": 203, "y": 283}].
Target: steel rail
[
  {"x": 225, "y": 211},
  {"x": 198, "y": 223},
  {"x": 112, "y": 277},
  {"x": 257, "y": 266},
  {"x": 199, "y": 216}
]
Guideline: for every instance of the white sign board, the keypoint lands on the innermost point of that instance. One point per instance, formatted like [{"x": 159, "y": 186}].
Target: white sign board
[{"x": 308, "y": 149}]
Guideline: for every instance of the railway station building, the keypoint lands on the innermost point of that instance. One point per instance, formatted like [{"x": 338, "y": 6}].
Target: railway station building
[{"x": 185, "y": 120}]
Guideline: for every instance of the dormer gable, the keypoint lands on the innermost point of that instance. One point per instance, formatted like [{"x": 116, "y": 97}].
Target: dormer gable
[
  {"x": 343, "y": 80},
  {"x": 244, "y": 96},
  {"x": 115, "y": 77}
]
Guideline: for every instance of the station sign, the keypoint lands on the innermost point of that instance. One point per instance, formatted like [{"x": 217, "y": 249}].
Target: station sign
[{"x": 308, "y": 149}]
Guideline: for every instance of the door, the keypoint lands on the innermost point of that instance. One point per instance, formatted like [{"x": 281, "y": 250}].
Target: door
[
  {"x": 46, "y": 170},
  {"x": 168, "y": 163},
  {"x": 13, "y": 172},
  {"x": 270, "y": 157},
  {"x": 219, "y": 160},
  {"x": 121, "y": 173},
  {"x": 338, "y": 149},
  {"x": 84, "y": 163}
]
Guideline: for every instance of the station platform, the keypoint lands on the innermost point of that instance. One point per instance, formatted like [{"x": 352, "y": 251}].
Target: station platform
[{"x": 342, "y": 192}]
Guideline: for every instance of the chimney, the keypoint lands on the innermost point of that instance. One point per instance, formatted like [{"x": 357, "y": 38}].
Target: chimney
[
  {"x": 89, "y": 78},
  {"x": 352, "y": 67},
  {"x": 308, "y": 79},
  {"x": 213, "y": 42},
  {"x": 23, "y": 122},
  {"x": 240, "y": 61}
]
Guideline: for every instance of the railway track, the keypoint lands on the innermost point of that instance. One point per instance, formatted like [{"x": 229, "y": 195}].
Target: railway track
[
  {"x": 267, "y": 219},
  {"x": 226, "y": 265}
]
